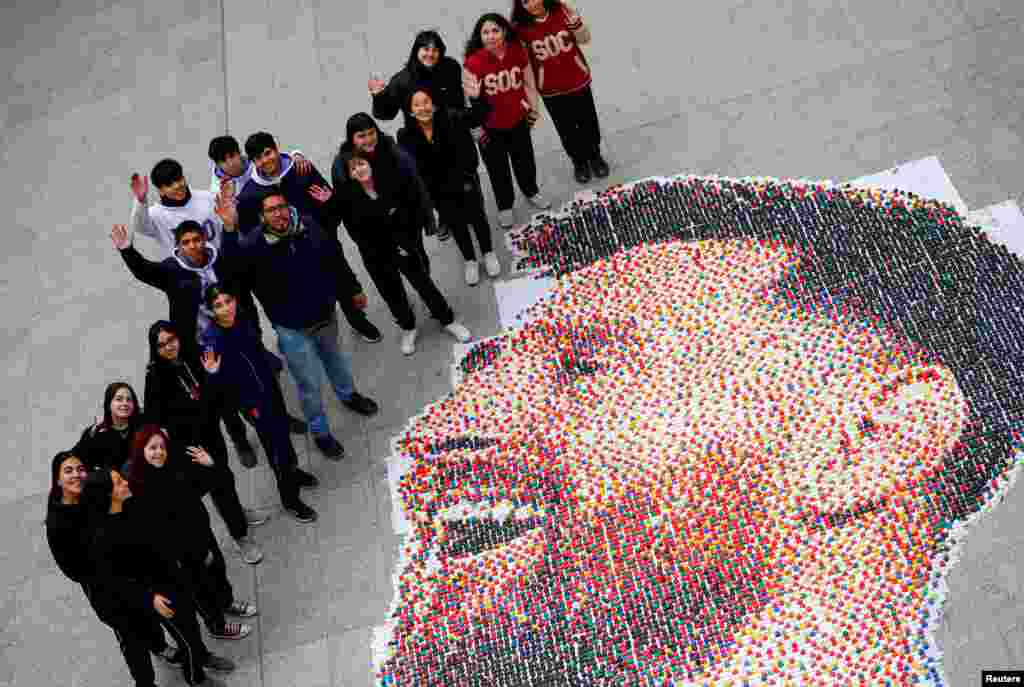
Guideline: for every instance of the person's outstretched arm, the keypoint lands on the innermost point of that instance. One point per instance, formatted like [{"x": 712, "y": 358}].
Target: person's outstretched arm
[{"x": 146, "y": 271}]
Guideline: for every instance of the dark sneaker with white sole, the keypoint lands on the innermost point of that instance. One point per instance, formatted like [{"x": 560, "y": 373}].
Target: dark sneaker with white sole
[
  {"x": 300, "y": 511},
  {"x": 329, "y": 446},
  {"x": 360, "y": 404},
  {"x": 231, "y": 631},
  {"x": 218, "y": 664}
]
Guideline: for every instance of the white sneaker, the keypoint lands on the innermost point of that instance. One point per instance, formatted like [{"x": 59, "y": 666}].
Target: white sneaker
[
  {"x": 472, "y": 272},
  {"x": 408, "y": 344},
  {"x": 459, "y": 331},
  {"x": 491, "y": 264},
  {"x": 538, "y": 201},
  {"x": 506, "y": 219}
]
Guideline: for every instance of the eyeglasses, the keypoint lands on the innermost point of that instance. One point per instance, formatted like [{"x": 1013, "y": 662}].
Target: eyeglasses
[
  {"x": 161, "y": 345},
  {"x": 276, "y": 208},
  {"x": 81, "y": 470}
]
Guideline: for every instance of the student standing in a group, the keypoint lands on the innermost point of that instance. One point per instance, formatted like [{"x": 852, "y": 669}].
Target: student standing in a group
[
  {"x": 68, "y": 536},
  {"x": 496, "y": 57},
  {"x": 385, "y": 221},
  {"x": 138, "y": 580},
  {"x": 553, "y": 32},
  {"x": 428, "y": 67},
  {"x": 169, "y": 487},
  {"x": 439, "y": 139},
  {"x": 179, "y": 398}
]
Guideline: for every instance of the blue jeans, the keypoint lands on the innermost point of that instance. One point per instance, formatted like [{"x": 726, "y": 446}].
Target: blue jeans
[{"x": 307, "y": 353}]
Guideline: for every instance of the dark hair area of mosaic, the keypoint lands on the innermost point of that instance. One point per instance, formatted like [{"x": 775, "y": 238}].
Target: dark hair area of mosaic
[{"x": 916, "y": 266}]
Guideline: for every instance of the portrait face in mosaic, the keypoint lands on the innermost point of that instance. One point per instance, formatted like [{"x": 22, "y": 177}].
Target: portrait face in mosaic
[{"x": 688, "y": 467}]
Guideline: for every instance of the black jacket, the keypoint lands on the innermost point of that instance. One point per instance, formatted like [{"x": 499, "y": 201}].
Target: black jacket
[
  {"x": 392, "y": 221},
  {"x": 105, "y": 447},
  {"x": 298, "y": 279},
  {"x": 131, "y": 563},
  {"x": 179, "y": 398},
  {"x": 444, "y": 82},
  {"x": 450, "y": 159},
  {"x": 68, "y": 537},
  {"x": 172, "y": 496},
  {"x": 183, "y": 288}
]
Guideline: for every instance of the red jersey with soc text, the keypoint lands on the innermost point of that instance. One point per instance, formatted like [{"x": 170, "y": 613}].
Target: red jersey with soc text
[
  {"x": 558, "y": 62},
  {"x": 502, "y": 83}
]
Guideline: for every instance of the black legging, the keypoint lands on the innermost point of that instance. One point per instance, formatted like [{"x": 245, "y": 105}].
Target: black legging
[
  {"x": 208, "y": 573},
  {"x": 221, "y": 479},
  {"x": 575, "y": 118},
  {"x": 463, "y": 209},
  {"x": 136, "y": 641},
  {"x": 515, "y": 145},
  {"x": 387, "y": 272}
]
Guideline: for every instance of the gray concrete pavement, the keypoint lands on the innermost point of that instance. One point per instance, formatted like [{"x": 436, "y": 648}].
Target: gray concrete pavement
[{"x": 96, "y": 90}]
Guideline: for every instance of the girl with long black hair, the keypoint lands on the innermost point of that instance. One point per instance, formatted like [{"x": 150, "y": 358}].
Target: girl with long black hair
[
  {"x": 440, "y": 140},
  {"x": 552, "y": 32},
  {"x": 137, "y": 580},
  {"x": 68, "y": 536},
  {"x": 180, "y": 399},
  {"x": 106, "y": 442},
  {"x": 499, "y": 61}
]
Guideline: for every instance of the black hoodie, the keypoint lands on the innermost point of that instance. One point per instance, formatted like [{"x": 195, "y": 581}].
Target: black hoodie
[
  {"x": 443, "y": 80},
  {"x": 450, "y": 159},
  {"x": 68, "y": 536},
  {"x": 402, "y": 209},
  {"x": 179, "y": 398}
]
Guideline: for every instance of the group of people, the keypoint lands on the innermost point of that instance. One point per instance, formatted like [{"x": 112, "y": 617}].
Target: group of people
[{"x": 125, "y": 516}]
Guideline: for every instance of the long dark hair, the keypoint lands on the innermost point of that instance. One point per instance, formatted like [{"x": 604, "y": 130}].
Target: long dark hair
[
  {"x": 154, "y": 338},
  {"x": 476, "y": 43},
  {"x": 56, "y": 493},
  {"x": 108, "y": 396},
  {"x": 426, "y": 37},
  {"x": 521, "y": 16}
]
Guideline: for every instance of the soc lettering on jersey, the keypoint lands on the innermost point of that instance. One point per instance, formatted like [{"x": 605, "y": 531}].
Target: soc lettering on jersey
[
  {"x": 551, "y": 45},
  {"x": 504, "y": 81}
]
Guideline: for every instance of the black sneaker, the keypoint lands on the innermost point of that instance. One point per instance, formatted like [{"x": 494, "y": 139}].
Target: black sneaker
[
  {"x": 599, "y": 167},
  {"x": 300, "y": 511},
  {"x": 366, "y": 331},
  {"x": 581, "y": 170},
  {"x": 219, "y": 664},
  {"x": 246, "y": 454},
  {"x": 296, "y": 426},
  {"x": 304, "y": 480},
  {"x": 361, "y": 404},
  {"x": 329, "y": 446}
]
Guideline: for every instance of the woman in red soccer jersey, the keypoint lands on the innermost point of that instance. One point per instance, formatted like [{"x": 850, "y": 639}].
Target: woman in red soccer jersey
[
  {"x": 498, "y": 59},
  {"x": 553, "y": 32}
]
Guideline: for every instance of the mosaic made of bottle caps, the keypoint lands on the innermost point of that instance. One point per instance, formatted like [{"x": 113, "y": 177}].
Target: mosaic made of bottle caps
[{"x": 738, "y": 444}]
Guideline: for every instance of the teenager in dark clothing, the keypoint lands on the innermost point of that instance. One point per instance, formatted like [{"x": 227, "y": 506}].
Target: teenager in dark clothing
[
  {"x": 428, "y": 67},
  {"x": 137, "y": 579},
  {"x": 233, "y": 358},
  {"x": 182, "y": 277},
  {"x": 68, "y": 536},
  {"x": 552, "y": 33},
  {"x": 384, "y": 220},
  {"x": 310, "y": 194},
  {"x": 179, "y": 398},
  {"x": 106, "y": 443},
  {"x": 495, "y": 57},
  {"x": 168, "y": 487},
  {"x": 439, "y": 139}
]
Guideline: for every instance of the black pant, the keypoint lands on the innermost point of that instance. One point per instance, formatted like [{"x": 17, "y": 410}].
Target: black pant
[
  {"x": 515, "y": 145},
  {"x": 136, "y": 641},
  {"x": 575, "y": 118},
  {"x": 462, "y": 209},
  {"x": 270, "y": 419},
  {"x": 208, "y": 573},
  {"x": 387, "y": 271},
  {"x": 223, "y": 490},
  {"x": 135, "y": 635}
]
